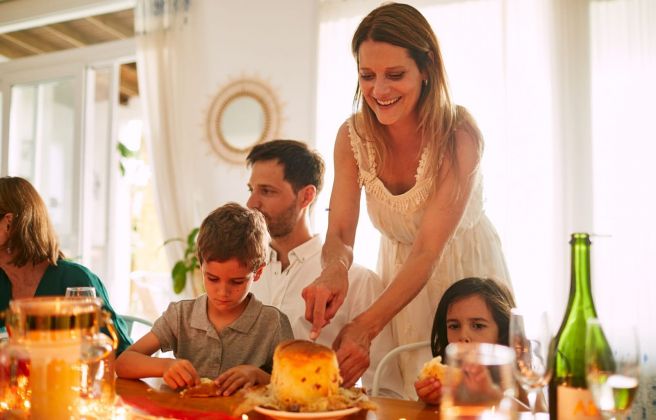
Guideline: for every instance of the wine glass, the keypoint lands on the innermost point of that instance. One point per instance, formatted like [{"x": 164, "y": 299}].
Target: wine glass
[
  {"x": 532, "y": 340},
  {"x": 84, "y": 291},
  {"x": 612, "y": 365}
]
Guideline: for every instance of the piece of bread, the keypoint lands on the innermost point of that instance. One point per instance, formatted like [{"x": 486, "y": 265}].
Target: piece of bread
[
  {"x": 206, "y": 388},
  {"x": 304, "y": 371},
  {"x": 435, "y": 369}
]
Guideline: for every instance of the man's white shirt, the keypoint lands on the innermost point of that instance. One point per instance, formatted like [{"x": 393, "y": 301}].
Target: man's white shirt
[{"x": 282, "y": 289}]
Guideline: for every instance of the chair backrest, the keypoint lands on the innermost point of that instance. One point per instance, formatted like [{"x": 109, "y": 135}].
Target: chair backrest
[
  {"x": 375, "y": 386},
  {"x": 130, "y": 321}
]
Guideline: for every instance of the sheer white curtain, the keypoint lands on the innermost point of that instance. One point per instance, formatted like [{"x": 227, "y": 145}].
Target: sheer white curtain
[
  {"x": 623, "y": 91},
  {"x": 336, "y": 86},
  {"x": 164, "y": 53}
]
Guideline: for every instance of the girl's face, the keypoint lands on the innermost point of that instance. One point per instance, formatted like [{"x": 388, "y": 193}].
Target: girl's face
[
  {"x": 390, "y": 82},
  {"x": 470, "y": 320}
]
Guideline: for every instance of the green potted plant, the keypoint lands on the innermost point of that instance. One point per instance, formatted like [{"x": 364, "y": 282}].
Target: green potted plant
[{"x": 187, "y": 266}]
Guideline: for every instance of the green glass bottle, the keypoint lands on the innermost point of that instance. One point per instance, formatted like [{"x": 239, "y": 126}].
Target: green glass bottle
[{"x": 569, "y": 397}]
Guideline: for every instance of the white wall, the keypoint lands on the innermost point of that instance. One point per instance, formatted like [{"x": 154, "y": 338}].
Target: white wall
[{"x": 277, "y": 45}]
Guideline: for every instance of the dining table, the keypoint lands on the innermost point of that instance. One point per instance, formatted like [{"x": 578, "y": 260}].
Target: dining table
[{"x": 152, "y": 398}]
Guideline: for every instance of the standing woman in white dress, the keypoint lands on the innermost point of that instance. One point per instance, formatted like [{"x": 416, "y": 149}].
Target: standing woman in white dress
[{"x": 417, "y": 156}]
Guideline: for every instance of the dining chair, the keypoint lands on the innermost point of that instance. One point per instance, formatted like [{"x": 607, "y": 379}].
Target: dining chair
[
  {"x": 375, "y": 387},
  {"x": 131, "y": 320}
]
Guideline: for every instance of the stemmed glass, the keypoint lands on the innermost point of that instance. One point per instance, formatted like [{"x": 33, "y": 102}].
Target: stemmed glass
[
  {"x": 612, "y": 365},
  {"x": 532, "y": 340},
  {"x": 86, "y": 291}
]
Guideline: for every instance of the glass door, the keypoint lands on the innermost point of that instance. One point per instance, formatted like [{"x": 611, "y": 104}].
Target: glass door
[
  {"x": 58, "y": 131},
  {"x": 43, "y": 148}
]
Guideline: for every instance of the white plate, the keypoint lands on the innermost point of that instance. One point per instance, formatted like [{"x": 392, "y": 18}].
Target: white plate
[{"x": 323, "y": 415}]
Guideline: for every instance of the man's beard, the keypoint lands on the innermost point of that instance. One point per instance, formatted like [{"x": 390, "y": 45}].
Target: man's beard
[{"x": 283, "y": 224}]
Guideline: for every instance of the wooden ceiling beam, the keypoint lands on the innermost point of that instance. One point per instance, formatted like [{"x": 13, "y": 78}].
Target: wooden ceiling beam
[
  {"x": 128, "y": 90},
  {"x": 110, "y": 27},
  {"x": 128, "y": 72},
  {"x": 39, "y": 42},
  {"x": 11, "y": 51},
  {"x": 76, "y": 33},
  {"x": 129, "y": 81},
  {"x": 22, "y": 44},
  {"x": 7, "y": 53},
  {"x": 22, "y": 15},
  {"x": 65, "y": 34}
]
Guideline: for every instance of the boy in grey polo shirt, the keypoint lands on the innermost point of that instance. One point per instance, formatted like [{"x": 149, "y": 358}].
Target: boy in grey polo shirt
[{"x": 226, "y": 334}]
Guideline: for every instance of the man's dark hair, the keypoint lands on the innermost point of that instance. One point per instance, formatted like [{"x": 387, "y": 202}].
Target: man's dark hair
[{"x": 301, "y": 165}]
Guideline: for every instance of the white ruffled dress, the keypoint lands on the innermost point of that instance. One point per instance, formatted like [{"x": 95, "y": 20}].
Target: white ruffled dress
[{"x": 473, "y": 251}]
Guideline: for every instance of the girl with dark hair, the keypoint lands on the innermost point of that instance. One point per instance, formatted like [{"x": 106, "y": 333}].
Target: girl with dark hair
[{"x": 471, "y": 310}]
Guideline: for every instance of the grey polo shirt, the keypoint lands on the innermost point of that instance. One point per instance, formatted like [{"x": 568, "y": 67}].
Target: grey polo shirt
[{"x": 185, "y": 329}]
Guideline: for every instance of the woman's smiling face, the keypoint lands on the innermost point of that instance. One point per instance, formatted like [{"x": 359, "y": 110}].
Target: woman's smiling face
[{"x": 390, "y": 82}]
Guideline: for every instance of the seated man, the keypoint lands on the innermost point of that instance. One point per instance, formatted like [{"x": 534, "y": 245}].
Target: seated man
[{"x": 286, "y": 178}]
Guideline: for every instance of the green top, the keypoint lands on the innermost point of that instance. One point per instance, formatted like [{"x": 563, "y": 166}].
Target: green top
[{"x": 54, "y": 283}]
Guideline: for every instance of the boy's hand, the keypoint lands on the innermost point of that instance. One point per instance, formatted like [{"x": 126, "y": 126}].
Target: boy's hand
[
  {"x": 429, "y": 390},
  {"x": 180, "y": 373},
  {"x": 240, "y": 376}
]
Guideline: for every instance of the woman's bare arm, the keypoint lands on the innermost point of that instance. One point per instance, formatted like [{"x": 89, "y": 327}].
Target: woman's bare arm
[{"x": 326, "y": 294}]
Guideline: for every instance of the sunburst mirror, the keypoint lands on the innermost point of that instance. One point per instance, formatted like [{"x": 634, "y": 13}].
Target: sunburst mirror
[{"x": 243, "y": 114}]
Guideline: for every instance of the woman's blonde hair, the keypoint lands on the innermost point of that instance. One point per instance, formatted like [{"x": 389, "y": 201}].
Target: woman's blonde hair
[
  {"x": 404, "y": 26},
  {"x": 32, "y": 238}
]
